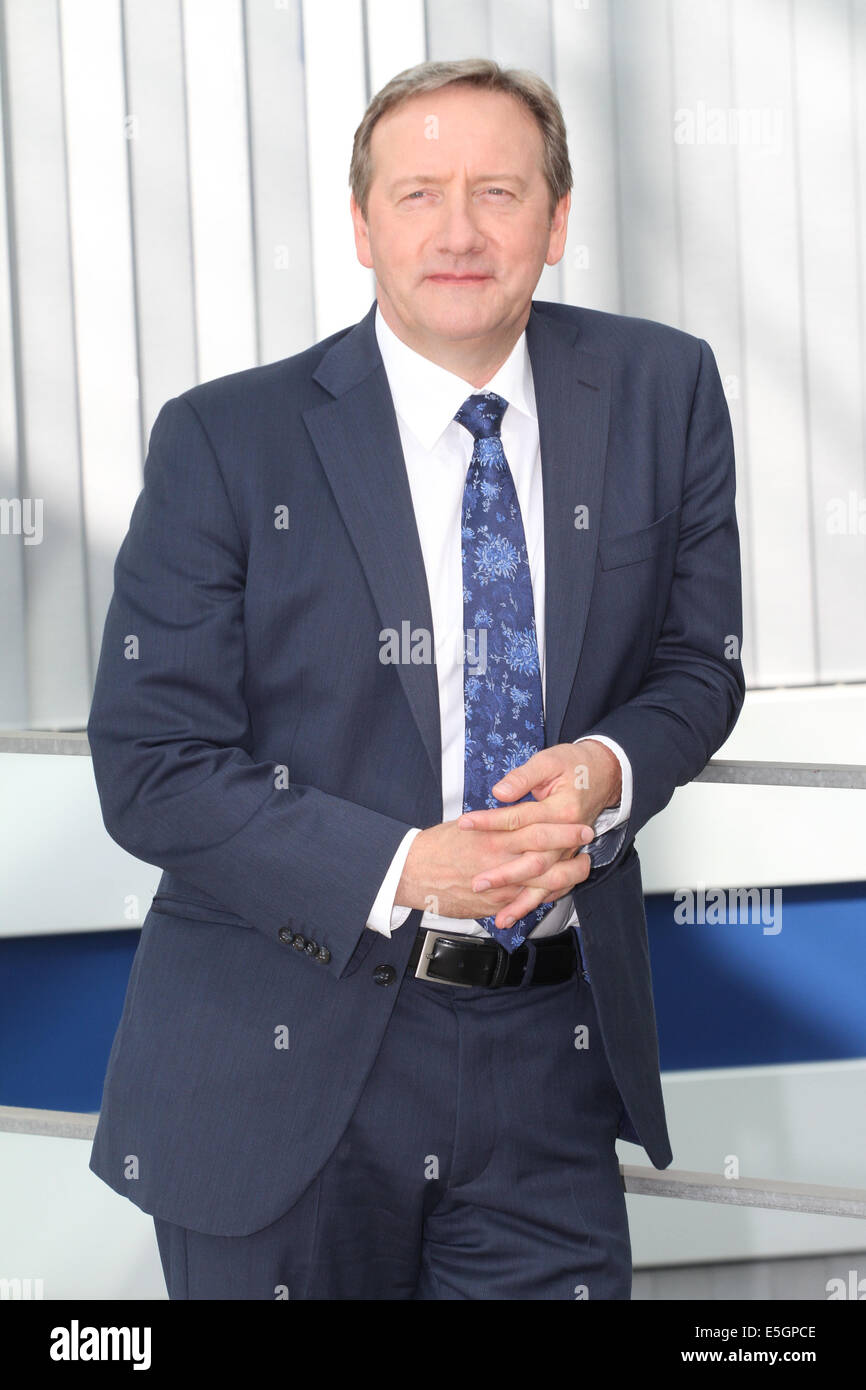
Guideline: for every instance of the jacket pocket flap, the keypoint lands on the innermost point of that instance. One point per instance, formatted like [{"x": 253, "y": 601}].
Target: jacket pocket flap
[{"x": 174, "y": 906}]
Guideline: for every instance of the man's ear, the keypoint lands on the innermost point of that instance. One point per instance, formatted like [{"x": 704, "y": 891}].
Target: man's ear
[
  {"x": 362, "y": 235},
  {"x": 558, "y": 230}
]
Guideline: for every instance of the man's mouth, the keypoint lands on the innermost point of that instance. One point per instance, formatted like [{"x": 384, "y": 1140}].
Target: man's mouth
[{"x": 445, "y": 278}]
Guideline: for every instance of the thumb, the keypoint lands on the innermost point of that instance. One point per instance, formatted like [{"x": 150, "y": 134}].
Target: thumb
[{"x": 520, "y": 780}]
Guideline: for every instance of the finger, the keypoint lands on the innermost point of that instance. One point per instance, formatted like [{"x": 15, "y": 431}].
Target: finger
[
  {"x": 520, "y": 780},
  {"x": 542, "y": 846},
  {"x": 521, "y": 869},
  {"x": 525, "y": 902},
  {"x": 562, "y": 876},
  {"x": 555, "y": 810},
  {"x": 553, "y": 886}
]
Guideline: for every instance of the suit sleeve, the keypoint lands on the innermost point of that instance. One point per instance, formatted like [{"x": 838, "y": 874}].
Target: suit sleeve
[
  {"x": 169, "y": 727},
  {"x": 693, "y": 689}
]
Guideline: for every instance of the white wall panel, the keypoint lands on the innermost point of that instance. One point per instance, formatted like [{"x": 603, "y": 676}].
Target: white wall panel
[
  {"x": 57, "y": 624},
  {"x": 833, "y": 343},
  {"x": 803, "y": 1123},
  {"x": 458, "y": 29},
  {"x": 219, "y": 176},
  {"x": 214, "y": 233},
  {"x": 280, "y": 179},
  {"x": 706, "y": 174},
  {"x": 858, "y": 133},
  {"x": 160, "y": 214},
  {"x": 395, "y": 38},
  {"x": 13, "y": 669},
  {"x": 650, "y": 242},
  {"x": 336, "y": 99},
  {"x": 69, "y": 1229},
  {"x": 102, "y": 284},
  {"x": 585, "y": 87},
  {"x": 720, "y": 833},
  {"x": 520, "y": 36},
  {"x": 59, "y": 869},
  {"x": 783, "y": 633}
]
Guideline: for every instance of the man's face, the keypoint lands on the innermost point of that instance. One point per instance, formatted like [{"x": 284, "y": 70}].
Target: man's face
[{"x": 458, "y": 222}]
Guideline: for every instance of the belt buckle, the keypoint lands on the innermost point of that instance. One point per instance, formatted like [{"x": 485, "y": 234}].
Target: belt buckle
[{"x": 430, "y": 940}]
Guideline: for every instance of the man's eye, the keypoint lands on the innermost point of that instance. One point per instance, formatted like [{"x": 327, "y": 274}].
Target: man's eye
[{"x": 419, "y": 193}]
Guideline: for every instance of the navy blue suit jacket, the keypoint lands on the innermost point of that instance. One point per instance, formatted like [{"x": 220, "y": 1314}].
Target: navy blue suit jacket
[{"x": 248, "y": 740}]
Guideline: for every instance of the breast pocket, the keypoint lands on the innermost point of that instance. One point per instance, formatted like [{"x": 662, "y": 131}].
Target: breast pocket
[{"x": 614, "y": 552}]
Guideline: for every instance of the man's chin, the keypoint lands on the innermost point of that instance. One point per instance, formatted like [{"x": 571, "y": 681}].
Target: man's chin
[{"x": 455, "y": 325}]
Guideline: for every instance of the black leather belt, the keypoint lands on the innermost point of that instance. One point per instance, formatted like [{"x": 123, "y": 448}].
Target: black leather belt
[{"x": 479, "y": 961}]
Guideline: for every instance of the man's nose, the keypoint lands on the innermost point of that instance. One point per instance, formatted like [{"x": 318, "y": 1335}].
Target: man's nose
[{"x": 458, "y": 231}]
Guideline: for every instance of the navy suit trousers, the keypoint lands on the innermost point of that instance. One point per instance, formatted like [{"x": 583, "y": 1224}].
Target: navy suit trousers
[{"x": 479, "y": 1163}]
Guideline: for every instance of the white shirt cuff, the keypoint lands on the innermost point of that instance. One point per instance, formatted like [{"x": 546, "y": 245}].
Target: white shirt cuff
[{"x": 384, "y": 916}]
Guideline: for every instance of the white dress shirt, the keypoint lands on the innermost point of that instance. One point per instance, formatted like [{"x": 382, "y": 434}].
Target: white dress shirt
[{"x": 438, "y": 450}]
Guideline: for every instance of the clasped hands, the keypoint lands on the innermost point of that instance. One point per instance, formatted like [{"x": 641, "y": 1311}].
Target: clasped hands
[{"x": 503, "y": 862}]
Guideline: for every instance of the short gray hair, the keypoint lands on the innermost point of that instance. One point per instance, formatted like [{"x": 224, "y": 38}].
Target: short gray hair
[{"x": 527, "y": 87}]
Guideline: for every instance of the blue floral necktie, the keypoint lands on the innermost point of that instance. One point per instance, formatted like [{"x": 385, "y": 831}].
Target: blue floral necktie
[{"x": 501, "y": 674}]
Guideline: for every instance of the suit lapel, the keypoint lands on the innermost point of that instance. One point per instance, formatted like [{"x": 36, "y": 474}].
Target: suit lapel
[
  {"x": 572, "y": 395},
  {"x": 358, "y": 442}
]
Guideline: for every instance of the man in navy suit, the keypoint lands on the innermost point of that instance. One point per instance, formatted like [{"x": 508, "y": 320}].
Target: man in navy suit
[{"x": 411, "y": 634}]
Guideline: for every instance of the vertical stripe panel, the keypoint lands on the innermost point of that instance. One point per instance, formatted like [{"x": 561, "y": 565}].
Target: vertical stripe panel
[
  {"x": 336, "y": 99},
  {"x": 93, "y": 92},
  {"x": 395, "y": 38},
  {"x": 520, "y": 36},
  {"x": 649, "y": 231},
  {"x": 173, "y": 208},
  {"x": 219, "y": 176},
  {"x": 858, "y": 86},
  {"x": 56, "y": 622},
  {"x": 783, "y": 643},
  {"x": 160, "y": 222},
  {"x": 706, "y": 173},
  {"x": 280, "y": 178},
  {"x": 835, "y": 370},
  {"x": 584, "y": 85},
  {"x": 458, "y": 29},
  {"x": 13, "y": 637}
]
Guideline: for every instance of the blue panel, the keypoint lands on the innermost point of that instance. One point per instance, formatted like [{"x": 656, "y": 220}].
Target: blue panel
[
  {"x": 732, "y": 994},
  {"x": 61, "y": 998},
  {"x": 727, "y": 994}
]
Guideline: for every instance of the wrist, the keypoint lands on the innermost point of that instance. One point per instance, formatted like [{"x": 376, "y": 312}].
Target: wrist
[
  {"x": 605, "y": 773},
  {"x": 408, "y": 892}
]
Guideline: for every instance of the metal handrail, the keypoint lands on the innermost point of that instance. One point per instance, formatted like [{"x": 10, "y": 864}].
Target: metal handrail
[
  {"x": 44, "y": 741},
  {"x": 739, "y": 771},
  {"x": 770, "y": 1194},
  {"x": 744, "y": 772},
  {"x": 695, "y": 1187}
]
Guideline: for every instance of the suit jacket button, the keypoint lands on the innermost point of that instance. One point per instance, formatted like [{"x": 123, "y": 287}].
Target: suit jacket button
[
  {"x": 285, "y": 934},
  {"x": 312, "y": 948},
  {"x": 384, "y": 974},
  {"x": 324, "y": 955},
  {"x": 299, "y": 942}
]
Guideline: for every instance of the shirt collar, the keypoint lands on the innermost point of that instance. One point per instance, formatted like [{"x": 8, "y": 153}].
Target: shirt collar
[{"x": 427, "y": 396}]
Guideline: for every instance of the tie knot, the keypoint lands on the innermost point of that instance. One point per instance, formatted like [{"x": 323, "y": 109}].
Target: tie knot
[{"x": 482, "y": 414}]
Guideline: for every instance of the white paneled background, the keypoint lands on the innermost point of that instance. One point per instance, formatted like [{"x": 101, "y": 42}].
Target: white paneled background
[{"x": 174, "y": 186}]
